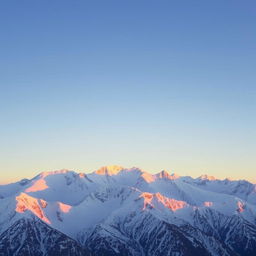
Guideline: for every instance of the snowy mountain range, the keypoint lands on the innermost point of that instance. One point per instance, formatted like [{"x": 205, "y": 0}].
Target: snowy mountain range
[{"x": 118, "y": 211}]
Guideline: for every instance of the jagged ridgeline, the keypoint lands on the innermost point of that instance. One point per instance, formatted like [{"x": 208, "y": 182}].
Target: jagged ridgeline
[{"x": 117, "y": 211}]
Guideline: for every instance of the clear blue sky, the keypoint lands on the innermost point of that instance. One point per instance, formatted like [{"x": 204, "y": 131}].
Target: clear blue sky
[{"x": 154, "y": 84}]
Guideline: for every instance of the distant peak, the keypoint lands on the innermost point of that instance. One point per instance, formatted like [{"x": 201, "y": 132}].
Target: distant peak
[
  {"x": 206, "y": 177},
  {"x": 165, "y": 175},
  {"x": 39, "y": 183},
  {"x": 82, "y": 175},
  {"x": 175, "y": 175},
  {"x": 47, "y": 173},
  {"x": 109, "y": 170}
]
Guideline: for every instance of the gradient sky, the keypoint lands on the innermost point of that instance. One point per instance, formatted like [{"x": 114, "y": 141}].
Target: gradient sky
[{"x": 153, "y": 84}]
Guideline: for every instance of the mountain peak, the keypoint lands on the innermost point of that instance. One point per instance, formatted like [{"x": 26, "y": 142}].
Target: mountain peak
[
  {"x": 48, "y": 173},
  {"x": 165, "y": 175},
  {"x": 206, "y": 177},
  {"x": 109, "y": 170}
]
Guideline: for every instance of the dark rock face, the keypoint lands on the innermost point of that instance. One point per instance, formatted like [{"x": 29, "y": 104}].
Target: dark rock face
[
  {"x": 240, "y": 235},
  {"x": 32, "y": 237},
  {"x": 149, "y": 236}
]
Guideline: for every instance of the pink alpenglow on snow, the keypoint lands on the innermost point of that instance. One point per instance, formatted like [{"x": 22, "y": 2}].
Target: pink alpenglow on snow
[
  {"x": 28, "y": 203},
  {"x": 153, "y": 199},
  {"x": 208, "y": 204},
  {"x": 39, "y": 185},
  {"x": 64, "y": 207}
]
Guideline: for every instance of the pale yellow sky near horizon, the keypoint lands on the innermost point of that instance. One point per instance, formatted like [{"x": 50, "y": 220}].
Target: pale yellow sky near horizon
[{"x": 29, "y": 174}]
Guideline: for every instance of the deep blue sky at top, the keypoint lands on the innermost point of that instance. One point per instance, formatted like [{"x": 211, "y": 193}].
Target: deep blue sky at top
[{"x": 155, "y": 84}]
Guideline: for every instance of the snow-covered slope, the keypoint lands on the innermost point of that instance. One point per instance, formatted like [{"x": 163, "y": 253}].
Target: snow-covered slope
[{"x": 119, "y": 211}]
